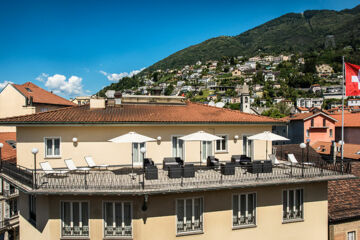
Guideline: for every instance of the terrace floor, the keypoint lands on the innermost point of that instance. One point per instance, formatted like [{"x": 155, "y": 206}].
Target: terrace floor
[{"x": 122, "y": 180}]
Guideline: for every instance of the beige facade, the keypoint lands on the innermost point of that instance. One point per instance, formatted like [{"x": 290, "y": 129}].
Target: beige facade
[
  {"x": 341, "y": 231},
  {"x": 93, "y": 141},
  {"x": 159, "y": 221}
]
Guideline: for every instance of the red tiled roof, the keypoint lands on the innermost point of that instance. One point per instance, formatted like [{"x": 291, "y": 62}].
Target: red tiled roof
[
  {"x": 40, "y": 95},
  {"x": 350, "y": 150},
  {"x": 302, "y": 116},
  {"x": 130, "y": 113},
  {"x": 350, "y": 119},
  {"x": 302, "y": 108},
  {"x": 8, "y": 153},
  {"x": 343, "y": 197}
]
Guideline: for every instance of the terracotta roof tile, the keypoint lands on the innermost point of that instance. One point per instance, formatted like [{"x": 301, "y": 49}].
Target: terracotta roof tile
[
  {"x": 189, "y": 113},
  {"x": 343, "y": 197},
  {"x": 40, "y": 95},
  {"x": 8, "y": 153},
  {"x": 350, "y": 150},
  {"x": 302, "y": 116},
  {"x": 350, "y": 119}
]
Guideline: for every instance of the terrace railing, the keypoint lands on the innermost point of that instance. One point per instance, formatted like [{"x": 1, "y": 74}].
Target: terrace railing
[{"x": 122, "y": 178}]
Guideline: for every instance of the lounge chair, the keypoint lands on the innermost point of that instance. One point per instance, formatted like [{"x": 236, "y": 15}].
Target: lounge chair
[
  {"x": 172, "y": 161},
  {"x": 212, "y": 161},
  {"x": 46, "y": 167},
  {"x": 293, "y": 160},
  {"x": 89, "y": 160},
  {"x": 71, "y": 166},
  {"x": 274, "y": 160}
]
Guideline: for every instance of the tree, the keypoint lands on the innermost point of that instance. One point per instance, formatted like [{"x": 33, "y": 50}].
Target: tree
[
  {"x": 273, "y": 112},
  {"x": 169, "y": 89}
]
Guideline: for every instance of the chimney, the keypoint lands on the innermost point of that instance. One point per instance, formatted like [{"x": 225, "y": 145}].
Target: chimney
[
  {"x": 97, "y": 103},
  {"x": 118, "y": 97}
]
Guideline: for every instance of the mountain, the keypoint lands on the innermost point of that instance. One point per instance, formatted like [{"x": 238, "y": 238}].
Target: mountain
[{"x": 290, "y": 33}]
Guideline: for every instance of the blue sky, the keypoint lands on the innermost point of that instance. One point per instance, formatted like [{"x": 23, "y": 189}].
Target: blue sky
[{"x": 78, "y": 47}]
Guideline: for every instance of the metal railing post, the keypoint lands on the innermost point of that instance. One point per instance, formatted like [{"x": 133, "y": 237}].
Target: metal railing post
[
  {"x": 302, "y": 159},
  {"x": 34, "y": 173}
]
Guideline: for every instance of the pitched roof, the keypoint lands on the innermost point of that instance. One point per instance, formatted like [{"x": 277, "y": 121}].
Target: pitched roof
[
  {"x": 305, "y": 116},
  {"x": 8, "y": 153},
  {"x": 137, "y": 113},
  {"x": 343, "y": 197},
  {"x": 40, "y": 95},
  {"x": 350, "y": 150},
  {"x": 350, "y": 119}
]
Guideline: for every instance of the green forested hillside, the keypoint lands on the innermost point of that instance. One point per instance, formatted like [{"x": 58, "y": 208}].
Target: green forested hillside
[{"x": 290, "y": 33}]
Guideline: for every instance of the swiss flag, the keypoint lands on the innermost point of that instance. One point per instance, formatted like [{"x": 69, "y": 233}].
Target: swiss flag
[{"x": 352, "y": 79}]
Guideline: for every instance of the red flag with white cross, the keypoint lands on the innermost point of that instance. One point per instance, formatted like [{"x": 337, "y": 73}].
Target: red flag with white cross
[{"x": 352, "y": 72}]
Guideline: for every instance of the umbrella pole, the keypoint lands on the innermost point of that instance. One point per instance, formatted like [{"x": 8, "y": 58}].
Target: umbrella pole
[
  {"x": 266, "y": 149},
  {"x": 132, "y": 160},
  {"x": 200, "y": 154}
]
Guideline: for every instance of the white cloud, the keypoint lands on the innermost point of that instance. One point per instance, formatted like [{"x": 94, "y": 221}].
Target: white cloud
[
  {"x": 42, "y": 77},
  {"x": 3, "y": 84},
  {"x": 115, "y": 77},
  {"x": 60, "y": 85}
]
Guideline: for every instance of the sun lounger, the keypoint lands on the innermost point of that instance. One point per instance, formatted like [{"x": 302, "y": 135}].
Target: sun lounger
[
  {"x": 89, "y": 160},
  {"x": 71, "y": 166},
  {"x": 274, "y": 160},
  {"x": 46, "y": 167},
  {"x": 293, "y": 160}
]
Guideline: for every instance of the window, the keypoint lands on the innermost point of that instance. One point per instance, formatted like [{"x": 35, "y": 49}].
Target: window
[
  {"x": 331, "y": 132},
  {"x": 307, "y": 133},
  {"x": 312, "y": 122},
  {"x": 28, "y": 89},
  {"x": 351, "y": 235},
  {"x": 117, "y": 219},
  {"x": 221, "y": 145},
  {"x": 177, "y": 147},
  {"x": 52, "y": 147},
  {"x": 11, "y": 208},
  {"x": 206, "y": 150},
  {"x": 292, "y": 204},
  {"x": 189, "y": 214},
  {"x": 324, "y": 122},
  {"x": 75, "y": 218},
  {"x": 138, "y": 157},
  {"x": 12, "y": 189},
  {"x": 244, "y": 209},
  {"x": 32, "y": 208}
]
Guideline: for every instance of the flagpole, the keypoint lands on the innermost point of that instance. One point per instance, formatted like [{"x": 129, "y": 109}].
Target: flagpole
[{"x": 342, "y": 117}]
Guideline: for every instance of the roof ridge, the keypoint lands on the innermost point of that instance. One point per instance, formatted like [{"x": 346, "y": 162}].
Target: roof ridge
[{"x": 236, "y": 111}]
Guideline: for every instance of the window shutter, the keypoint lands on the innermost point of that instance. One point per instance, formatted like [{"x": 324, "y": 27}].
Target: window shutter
[{"x": 7, "y": 210}]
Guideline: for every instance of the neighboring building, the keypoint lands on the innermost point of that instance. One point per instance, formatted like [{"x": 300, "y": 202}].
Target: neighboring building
[
  {"x": 315, "y": 88},
  {"x": 331, "y": 151},
  {"x": 9, "y": 220},
  {"x": 81, "y": 100},
  {"x": 119, "y": 203},
  {"x": 236, "y": 73},
  {"x": 309, "y": 102},
  {"x": 324, "y": 70},
  {"x": 351, "y": 127},
  {"x": 269, "y": 76},
  {"x": 314, "y": 126},
  {"x": 353, "y": 102},
  {"x": 28, "y": 98}
]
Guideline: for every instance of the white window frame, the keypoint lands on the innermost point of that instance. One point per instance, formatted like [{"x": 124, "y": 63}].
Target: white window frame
[
  {"x": 226, "y": 143},
  {"x": 331, "y": 132},
  {"x": 192, "y": 217},
  {"x": 307, "y": 133},
  {"x": 122, "y": 217},
  {"x": 286, "y": 220},
  {"x": 348, "y": 235},
  {"x": 249, "y": 147},
  {"x": 53, "y": 147},
  {"x": 246, "y": 211},
  {"x": 177, "y": 146},
  {"x": 139, "y": 162},
  {"x": 206, "y": 150},
  {"x": 71, "y": 217}
]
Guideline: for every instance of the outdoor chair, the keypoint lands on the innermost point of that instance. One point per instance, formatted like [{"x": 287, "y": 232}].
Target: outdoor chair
[
  {"x": 212, "y": 162},
  {"x": 228, "y": 168},
  {"x": 148, "y": 162},
  {"x": 274, "y": 160},
  {"x": 171, "y": 161},
  {"x": 49, "y": 171},
  {"x": 236, "y": 159},
  {"x": 90, "y": 162},
  {"x": 255, "y": 167},
  {"x": 293, "y": 160},
  {"x": 151, "y": 172},
  {"x": 244, "y": 160},
  {"x": 188, "y": 171},
  {"x": 175, "y": 171},
  {"x": 267, "y": 167},
  {"x": 71, "y": 166}
]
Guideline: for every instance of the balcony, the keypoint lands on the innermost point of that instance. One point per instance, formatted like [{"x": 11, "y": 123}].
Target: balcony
[{"x": 122, "y": 180}]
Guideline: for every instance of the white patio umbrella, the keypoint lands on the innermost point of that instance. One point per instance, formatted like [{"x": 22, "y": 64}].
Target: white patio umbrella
[
  {"x": 200, "y": 136},
  {"x": 132, "y": 137},
  {"x": 268, "y": 136}
]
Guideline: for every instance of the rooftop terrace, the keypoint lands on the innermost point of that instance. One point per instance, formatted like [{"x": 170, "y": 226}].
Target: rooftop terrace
[{"x": 120, "y": 179}]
